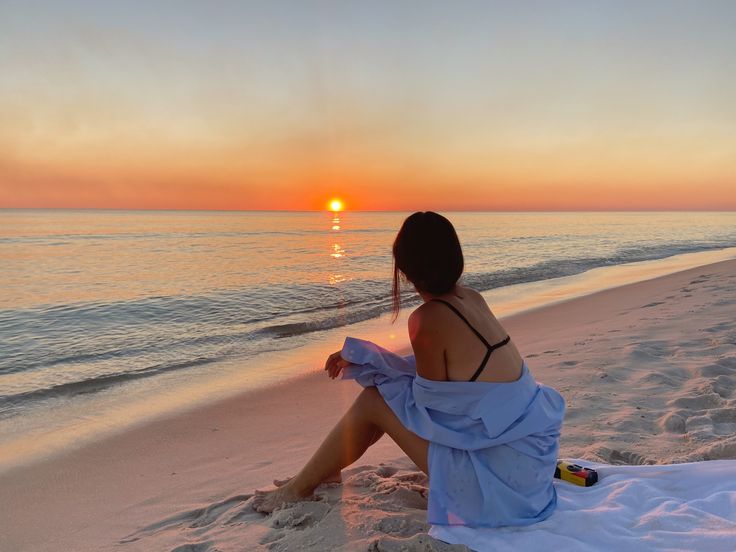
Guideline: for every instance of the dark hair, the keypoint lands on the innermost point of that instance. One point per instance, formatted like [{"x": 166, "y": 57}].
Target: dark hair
[{"x": 427, "y": 252}]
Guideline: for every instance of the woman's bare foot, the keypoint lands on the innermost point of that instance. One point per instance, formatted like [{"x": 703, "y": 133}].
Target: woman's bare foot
[
  {"x": 268, "y": 501},
  {"x": 334, "y": 478}
]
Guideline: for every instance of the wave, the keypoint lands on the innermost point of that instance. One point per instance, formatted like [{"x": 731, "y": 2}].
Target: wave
[
  {"x": 92, "y": 385},
  {"x": 547, "y": 270},
  {"x": 280, "y": 331},
  {"x": 65, "y": 239},
  {"x": 196, "y": 330}
]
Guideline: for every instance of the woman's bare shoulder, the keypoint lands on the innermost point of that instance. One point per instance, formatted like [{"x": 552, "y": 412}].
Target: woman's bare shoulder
[
  {"x": 478, "y": 301},
  {"x": 474, "y": 295},
  {"x": 470, "y": 292},
  {"x": 425, "y": 314}
]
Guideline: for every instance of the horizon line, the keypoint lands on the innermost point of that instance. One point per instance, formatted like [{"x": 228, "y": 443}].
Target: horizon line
[{"x": 144, "y": 209}]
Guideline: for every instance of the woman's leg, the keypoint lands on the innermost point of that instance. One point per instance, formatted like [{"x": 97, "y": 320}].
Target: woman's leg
[
  {"x": 337, "y": 476},
  {"x": 362, "y": 425}
]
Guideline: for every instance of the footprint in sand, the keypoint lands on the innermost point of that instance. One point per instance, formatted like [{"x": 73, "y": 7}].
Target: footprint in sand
[
  {"x": 699, "y": 427},
  {"x": 369, "y": 477},
  {"x": 614, "y": 456},
  {"x": 194, "y": 547},
  {"x": 406, "y": 496},
  {"x": 402, "y": 525},
  {"x": 292, "y": 524},
  {"x": 417, "y": 543},
  {"x": 723, "y": 385},
  {"x": 657, "y": 379},
  {"x": 191, "y": 519},
  {"x": 386, "y": 471},
  {"x": 724, "y": 421},
  {"x": 300, "y": 515},
  {"x": 715, "y": 370},
  {"x": 674, "y": 423},
  {"x": 718, "y": 328},
  {"x": 723, "y": 449},
  {"x": 648, "y": 350},
  {"x": 418, "y": 478},
  {"x": 726, "y": 415},
  {"x": 391, "y": 491},
  {"x": 703, "y": 401}
]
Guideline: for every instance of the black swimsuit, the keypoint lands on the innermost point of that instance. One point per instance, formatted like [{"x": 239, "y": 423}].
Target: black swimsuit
[{"x": 490, "y": 347}]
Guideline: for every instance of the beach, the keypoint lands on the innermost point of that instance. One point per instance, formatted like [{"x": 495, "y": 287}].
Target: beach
[
  {"x": 647, "y": 370},
  {"x": 200, "y": 205}
]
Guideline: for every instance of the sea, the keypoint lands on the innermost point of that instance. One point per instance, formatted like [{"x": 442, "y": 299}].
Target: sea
[{"x": 109, "y": 317}]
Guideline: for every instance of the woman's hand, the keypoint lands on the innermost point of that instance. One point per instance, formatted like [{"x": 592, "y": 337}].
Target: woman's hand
[{"x": 335, "y": 363}]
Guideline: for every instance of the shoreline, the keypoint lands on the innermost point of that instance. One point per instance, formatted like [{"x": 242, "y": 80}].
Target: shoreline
[
  {"x": 647, "y": 370},
  {"x": 61, "y": 428}
]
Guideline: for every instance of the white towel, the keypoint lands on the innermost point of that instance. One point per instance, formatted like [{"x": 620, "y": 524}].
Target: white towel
[{"x": 641, "y": 508}]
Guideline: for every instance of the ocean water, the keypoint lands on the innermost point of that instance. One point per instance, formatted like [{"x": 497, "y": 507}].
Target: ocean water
[{"x": 93, "y": 302}]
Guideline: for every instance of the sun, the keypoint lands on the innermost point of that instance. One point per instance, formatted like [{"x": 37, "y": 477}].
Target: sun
[{"x": 336, "y": 205}]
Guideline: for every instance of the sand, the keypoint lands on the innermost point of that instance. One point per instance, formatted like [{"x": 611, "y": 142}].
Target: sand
[{"x": 648, "y": 371}]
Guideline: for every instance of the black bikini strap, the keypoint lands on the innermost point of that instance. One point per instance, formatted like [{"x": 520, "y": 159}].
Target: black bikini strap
[
  {"x": 488, "y": 355},
  {"x": 490, "y": 347},
  {"x": 454, "y": 309}
]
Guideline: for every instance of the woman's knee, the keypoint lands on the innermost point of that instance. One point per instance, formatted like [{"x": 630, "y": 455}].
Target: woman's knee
[{"x": 368, "y": 401}]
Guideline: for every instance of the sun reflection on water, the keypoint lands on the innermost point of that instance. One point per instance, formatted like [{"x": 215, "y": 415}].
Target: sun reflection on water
[
  {"x": 336, "y": 276},
  {"x": 337, "y": 279},
  {"x": 337, "y": 273},
  {"x": 337, "y": 251}
]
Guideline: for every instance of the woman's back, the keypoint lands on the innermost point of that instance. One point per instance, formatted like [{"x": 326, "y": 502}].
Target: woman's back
[{"x": 462, "y": 350}]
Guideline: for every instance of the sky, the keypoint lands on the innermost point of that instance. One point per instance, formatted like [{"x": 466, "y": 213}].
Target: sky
[{"x": 400, "y": 105}]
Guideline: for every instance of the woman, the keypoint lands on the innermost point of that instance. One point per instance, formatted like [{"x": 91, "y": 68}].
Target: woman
[{"x": 464, "y": 408}]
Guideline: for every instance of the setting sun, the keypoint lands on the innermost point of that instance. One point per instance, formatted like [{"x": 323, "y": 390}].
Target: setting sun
[{"x": 336, "y": 205}]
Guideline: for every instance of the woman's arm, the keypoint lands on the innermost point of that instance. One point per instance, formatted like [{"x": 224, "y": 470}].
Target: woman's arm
[{"x": 426, "y": 340}]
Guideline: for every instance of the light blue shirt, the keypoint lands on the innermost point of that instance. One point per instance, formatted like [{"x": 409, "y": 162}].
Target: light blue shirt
[{"x": 492, "y": 446}]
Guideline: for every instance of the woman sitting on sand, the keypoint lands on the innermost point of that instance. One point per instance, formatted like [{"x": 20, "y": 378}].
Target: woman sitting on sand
[{"x": 464, "y": 407}]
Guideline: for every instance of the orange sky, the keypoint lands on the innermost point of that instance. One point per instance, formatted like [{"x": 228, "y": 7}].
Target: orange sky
[{"x": 254, "y": 107}]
